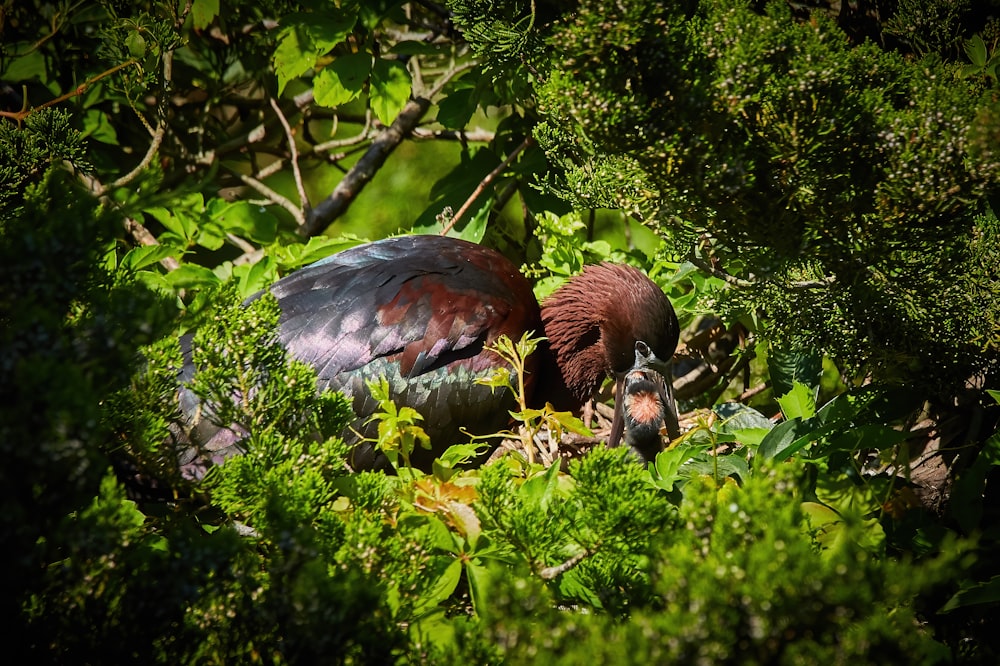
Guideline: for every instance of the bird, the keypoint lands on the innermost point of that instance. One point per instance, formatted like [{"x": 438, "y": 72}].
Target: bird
[{"x": 423, "y": 311}]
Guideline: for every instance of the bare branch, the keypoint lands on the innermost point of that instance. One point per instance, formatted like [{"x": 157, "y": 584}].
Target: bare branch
[
  {"x": 360, "y": 137},
  {"x": 719, "y": 273},
  {"x": 548, "y": 573},
  {"x": 364, "y": 169},
  {"x": 79, "y": 90},
  {"x": 294, "y": 155},
  {"x": 472, "y": 136},
  {"x": 280, "y": 200},
  {"x": 484, "y": 183}
]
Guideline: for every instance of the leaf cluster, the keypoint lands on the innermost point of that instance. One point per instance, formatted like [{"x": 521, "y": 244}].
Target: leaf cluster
[{"x": 832, "y": 180}]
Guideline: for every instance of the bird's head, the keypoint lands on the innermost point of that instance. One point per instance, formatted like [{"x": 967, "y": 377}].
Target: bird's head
[{"x": 609, "y": 320}]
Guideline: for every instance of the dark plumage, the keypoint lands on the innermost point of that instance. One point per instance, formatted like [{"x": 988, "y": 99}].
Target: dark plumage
[{"x": 421, "y": 309}]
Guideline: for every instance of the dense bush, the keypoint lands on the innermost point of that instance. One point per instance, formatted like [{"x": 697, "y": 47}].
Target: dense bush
[{"x": 828, "y": 196}]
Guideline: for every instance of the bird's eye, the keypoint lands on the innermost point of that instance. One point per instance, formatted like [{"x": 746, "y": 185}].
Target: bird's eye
[{"x": 642, "y": 348}]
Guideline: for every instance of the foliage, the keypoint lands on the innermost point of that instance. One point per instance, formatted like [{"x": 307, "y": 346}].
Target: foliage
[
  {"x": 829, "y": 196},
  {"x": 828, "y": 180}
]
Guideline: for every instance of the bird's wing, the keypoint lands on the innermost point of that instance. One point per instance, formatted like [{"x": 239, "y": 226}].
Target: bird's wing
[{"x": 421, "y": 301}]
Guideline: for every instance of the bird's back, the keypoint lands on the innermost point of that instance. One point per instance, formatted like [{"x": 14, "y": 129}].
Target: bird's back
[{"x": 419, "y": 311}]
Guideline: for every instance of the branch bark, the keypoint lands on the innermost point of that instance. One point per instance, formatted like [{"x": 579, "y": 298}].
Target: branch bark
[{"x": 347, "y": 190}]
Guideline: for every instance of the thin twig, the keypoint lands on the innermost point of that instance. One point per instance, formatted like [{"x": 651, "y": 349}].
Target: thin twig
[
  {"x": 719, "y": 273},
  {"x": 471, "y": 136},
  {"x": 294, "y": 155},
  {"x": 79, "y": 90},
  {"x": 484, "y": 183},
  {"x": 154, "y": 147},
  {"x": 279, "y": 199},
  {"x": 361, "y": 136},
  {"x": 548, "y": 573}
]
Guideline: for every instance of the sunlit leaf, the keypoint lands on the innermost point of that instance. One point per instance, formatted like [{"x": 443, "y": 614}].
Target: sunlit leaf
[
  {"x": 342, "y": 80},
  {"x": 390, "y": 89}
]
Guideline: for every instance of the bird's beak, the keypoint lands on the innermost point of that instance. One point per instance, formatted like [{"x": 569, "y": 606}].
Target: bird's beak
[{"x": 645, "y": 360}]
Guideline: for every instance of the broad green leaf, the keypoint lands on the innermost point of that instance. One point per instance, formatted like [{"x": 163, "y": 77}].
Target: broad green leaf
[
  {"x": 455, "y": 111},
  {"x": 243, "y": 218},
  {"x": 29, "y": 67},
  {"x": 745, "y": 424},
  {"x": 203, "y": 12},
  {"x": 994, "y": 394},
  {"x": 191, "y": 275},
  {"x": 342, "y": 80},
  {"x": 146, "y": 255},
  {"x": 987, "y": 592},
  {"x": 479, "y": 581},
  {"x": 868, "y": 436},
  {"x": 975, "y": 50},
  {"x": 967, "y": 494},
  {"x": 316, "y": 249},
  {"x": 97, "y": 126},
  {"x": 799, "y": 403},
  {"x": 473, "y": 229},
  {"x": 664, "y": 471},
  {"x": 329, "y": 27},
  {"x": 711, "y": 465},
  {"x": 789, "y": 366},
  {"x": 541, "y": 488},
  {"x": 180, "y": 223},
  {"x": 294, "y": 55},
  {"x": 390, "y": 89},
  {"x": 786, "y": 439},
  {"x": 255, "y": 277},
  {"x": 442, "y": 587}
]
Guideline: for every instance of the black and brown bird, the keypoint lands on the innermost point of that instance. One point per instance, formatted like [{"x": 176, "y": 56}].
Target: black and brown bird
[{"x": 422, "y": 310}]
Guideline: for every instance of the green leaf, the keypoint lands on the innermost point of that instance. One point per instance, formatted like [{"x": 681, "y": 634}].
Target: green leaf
[
  {"x": 787, "y": 438},
  {"x": 191, "y": 275},
  {"x": 243, "y": 218},
  {"x": 664, "y": 471},
  {"x": 342, "y": 80},
  {"x": 255, "y": 277},
  {"x": 745, "y": 424},
  {"x": 145, "y": 255},
  {"x": 987, "y": 592},
  {"x": 97, "y": 126},
  {"x": 329, "y": 27},
  {"x": 994, "y": 394},
  {"x": 541, "y": 489},
  {"x": 789, "y": 366},
  {"x": 710, "y": 465},
  {"x": 966, "y": 503},
  {"x": 390, "y": 89},
  {"x": 455, "y": 111},
  {"x": 975, "y": 50},
  {"x": 294, "y": 55},
  {"x": 29, "y": 67},
  {"x": 203, "y": 12},
  {"x": 316, "y": 249},
  {"x": 799, "y": 403},
  {"x": 181, "y": 224}
]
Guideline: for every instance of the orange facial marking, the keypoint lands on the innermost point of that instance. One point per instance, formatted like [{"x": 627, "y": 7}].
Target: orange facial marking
[{"x": 645, "y": 407}]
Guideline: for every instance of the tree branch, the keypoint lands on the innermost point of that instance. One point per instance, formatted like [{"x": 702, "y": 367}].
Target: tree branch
[
  {"x": 548, "y": 573},
  {"x": 484, "y": 183},
  {"x": 364, "y": 170},
  {"x": 293, "y": 156}
]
